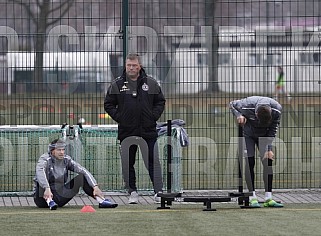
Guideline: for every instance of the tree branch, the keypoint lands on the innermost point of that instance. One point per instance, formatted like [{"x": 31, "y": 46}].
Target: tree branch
[
  {"x": 38, "y": 3},
  {"x": 62, "y": 13},
  {"x": 27, "y": 8},
  {"x": 70, "y": 2}
]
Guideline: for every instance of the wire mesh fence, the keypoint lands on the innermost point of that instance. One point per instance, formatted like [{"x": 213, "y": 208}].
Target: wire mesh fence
[
  {"x": 57, "y": 59},
  {"x": 95, "y": 148}
]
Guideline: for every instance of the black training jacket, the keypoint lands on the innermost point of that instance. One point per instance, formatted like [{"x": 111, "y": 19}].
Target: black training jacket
[{"x": 135, "y": 115}]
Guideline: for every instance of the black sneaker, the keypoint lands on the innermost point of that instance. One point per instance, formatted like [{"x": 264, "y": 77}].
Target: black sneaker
[
  {"x": 107, "y": 204},
  {"x": 52, "y": 205}
]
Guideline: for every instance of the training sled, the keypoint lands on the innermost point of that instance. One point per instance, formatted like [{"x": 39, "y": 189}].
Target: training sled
[{"x": 167, "y": 198}]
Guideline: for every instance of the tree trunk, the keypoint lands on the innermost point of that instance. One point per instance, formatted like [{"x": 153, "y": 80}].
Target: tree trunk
[
  {"x": 38, "y": 64},
  {"x": 39, "y": 47},
  {"x": 212, "y": 45}
]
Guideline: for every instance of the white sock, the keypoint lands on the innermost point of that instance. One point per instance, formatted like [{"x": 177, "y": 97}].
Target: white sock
[
  {"x": 99, "y": 199},
  {"x": 268, "y": 195},
  {"x": 253, "y": 196}
]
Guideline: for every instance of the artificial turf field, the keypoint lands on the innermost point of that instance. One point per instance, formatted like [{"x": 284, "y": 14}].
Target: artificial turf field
[{"x": 181, "y": 219}]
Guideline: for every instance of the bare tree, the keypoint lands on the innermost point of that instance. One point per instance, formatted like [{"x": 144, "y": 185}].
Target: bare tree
[{"x": 43, "y": 14}]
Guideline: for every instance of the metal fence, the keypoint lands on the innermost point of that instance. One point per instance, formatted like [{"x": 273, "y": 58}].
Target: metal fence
[
  {"x": 95, "y": 147},
  {"x": 57, "y": 59}
]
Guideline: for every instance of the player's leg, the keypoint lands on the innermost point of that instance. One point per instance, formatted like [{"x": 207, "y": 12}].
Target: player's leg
[
  {"x": 250, "y": 144},
  {"x": 267, "y": 164},
  {"x": 267, "y": 174},
  {"x": 250, "y": 163},
  {"x": 153, "y": 166},
  {"x": 128, "y": 150},
  {"x": 131, "y": 168},
  {"x": 38, "y": 197},
  {"x": 63, "y": 194},
  {"x": 150, "y": 156},
  {"x": 277, "y": 91},
  {"x": 128, "y": 158},
  {"x": 81, "y": 181}
]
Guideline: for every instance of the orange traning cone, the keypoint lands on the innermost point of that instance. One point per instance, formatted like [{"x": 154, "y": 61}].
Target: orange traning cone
[{"x": 87, "y": 209}]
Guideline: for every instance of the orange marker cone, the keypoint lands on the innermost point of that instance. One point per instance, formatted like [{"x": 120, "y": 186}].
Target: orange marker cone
[{"x": 87, "y": 209}]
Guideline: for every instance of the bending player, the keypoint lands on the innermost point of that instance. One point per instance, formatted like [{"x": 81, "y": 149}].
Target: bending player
[{"x": 260, "y": 118}]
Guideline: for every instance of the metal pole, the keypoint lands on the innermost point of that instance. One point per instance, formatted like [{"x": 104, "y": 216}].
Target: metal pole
[
  {"x": 267, "y": 49},
  {"x": 240, "y": 158},
  {"x": 169, "y": 156},
  {"x": 125, "y": 19}
]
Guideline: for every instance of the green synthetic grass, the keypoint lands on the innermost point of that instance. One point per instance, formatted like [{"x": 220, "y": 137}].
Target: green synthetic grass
[{"x": 187, "y": 219}]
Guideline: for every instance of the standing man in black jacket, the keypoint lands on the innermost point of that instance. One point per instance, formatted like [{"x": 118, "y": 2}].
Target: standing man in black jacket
[{"x": 135, "y": 101}]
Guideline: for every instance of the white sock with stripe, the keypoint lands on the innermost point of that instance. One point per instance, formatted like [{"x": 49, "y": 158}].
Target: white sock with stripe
[
  {"x": 99, "y": 199},
  {"x": 268, "y": 195},
  {"x": 253, "y": 196}
]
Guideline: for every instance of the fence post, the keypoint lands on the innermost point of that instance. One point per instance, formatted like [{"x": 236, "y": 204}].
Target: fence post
[
  {"x": 125, "y": 24},
  {"x": 169, "y": 156}
]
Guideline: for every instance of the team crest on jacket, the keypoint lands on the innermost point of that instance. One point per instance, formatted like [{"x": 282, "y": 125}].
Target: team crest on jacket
[{"x": 145, "y": 87}]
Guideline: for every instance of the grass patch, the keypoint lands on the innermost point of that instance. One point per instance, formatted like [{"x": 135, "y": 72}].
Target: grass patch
[{"x": 229, "y": 219}]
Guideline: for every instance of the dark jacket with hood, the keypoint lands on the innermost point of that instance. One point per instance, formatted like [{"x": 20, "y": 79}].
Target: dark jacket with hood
[{"x": 136, "y": 112}]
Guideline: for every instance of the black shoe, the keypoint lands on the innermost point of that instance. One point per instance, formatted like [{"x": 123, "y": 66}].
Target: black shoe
[
  {"x": 52, "y": 205},
  {"x": 107, "y": 204}
]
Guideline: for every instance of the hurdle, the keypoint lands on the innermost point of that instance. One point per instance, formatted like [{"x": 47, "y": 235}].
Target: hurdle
[{"x": 168, "y": 197}]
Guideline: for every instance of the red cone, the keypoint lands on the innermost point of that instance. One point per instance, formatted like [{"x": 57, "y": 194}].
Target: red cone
[{"x": 87, "y": 209}]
